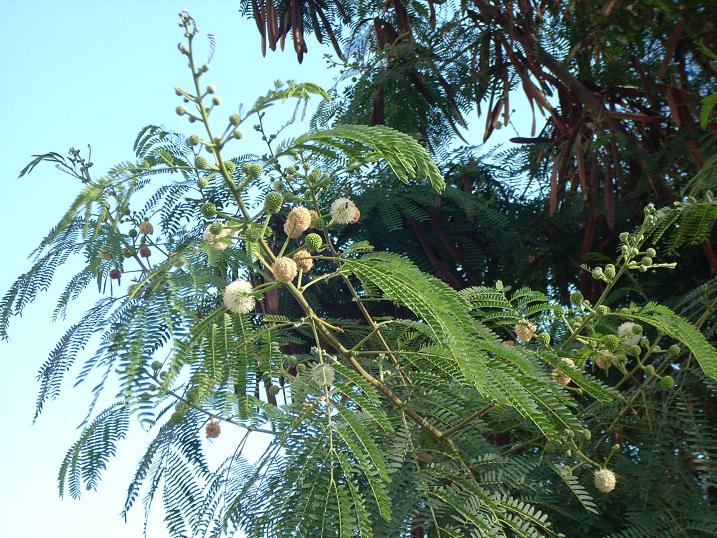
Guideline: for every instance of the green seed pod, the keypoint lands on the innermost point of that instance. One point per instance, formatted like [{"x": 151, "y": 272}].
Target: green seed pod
[
  {"x": 313, "y": 242},
  {"x": 667, "y": 382},
  {"x": 273, "y": 202},
  {"x": 208, "y": 209}
]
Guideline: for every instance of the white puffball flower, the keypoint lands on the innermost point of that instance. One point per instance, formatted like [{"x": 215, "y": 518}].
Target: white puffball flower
[
  {"x": 605, "y": 480},
  {"x": 630, "y": 333},
  {"x": 342, "y": 211},
  {"x": 237, "y": 297}
]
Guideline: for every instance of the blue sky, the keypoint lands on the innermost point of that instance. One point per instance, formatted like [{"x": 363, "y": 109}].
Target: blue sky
[{"x": 76, "y": 73}]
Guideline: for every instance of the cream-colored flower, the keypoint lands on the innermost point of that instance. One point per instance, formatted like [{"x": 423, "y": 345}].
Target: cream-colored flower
[
  {"x": 324, "y": 375},
  {"x": 297, "y": 222},
  {"x": 525, "y": 329},
  {"x": 238, "y": 298},
  {"x": 605, "y": 480},
  {"x": 604, "y": 359},
  {"x": 561, "y": 378},
  {"x": 342, "y": 211},
  {"x": 284, "y": 269},
  {"x": 630, "y": 333},
  {"x": 303, "y": 260}
]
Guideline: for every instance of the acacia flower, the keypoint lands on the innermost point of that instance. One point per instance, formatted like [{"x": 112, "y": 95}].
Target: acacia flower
[
  {"x": 604, "y": 359},
  {"x": 525, "y": 329},
  {"x": 238, "y": 298},
  {"x": 297, "y": 222},
  {"x": 630, "y": 333},
  {"x": 561, "y": 378},
  {"x": 218, "y": 241},
  {"x": 213, "y": 430},
  {"x": 284, "y": 269},
  {"x": 342, "y": 211},
  {"x": 303, "y": 260},
  {"x": 605, "y": 480}
]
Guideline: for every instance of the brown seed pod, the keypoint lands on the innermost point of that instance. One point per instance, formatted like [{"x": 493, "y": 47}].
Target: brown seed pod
[
  {"x": 146, "y": 228},
  {"x": 115, "y": 274}
]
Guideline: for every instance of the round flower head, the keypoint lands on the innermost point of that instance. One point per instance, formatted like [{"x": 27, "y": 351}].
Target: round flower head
[
  {"x": 561, "y": 378},
  {"x": 525, "y": 329},
  {"x": 324, "y": 375},
  {"x": 342, "y": 211},
  {"x": 284, "y": 269},
  {"x": 313, "y": 241},
  {"x": 630, "y": 333},
  {"x": 213, "y": 430},
  {"x": 604, "y": 359},
  {"x": 605, "y": 480},
  {"x": 218, "y": 241},
  {"x": 303, "y": 260},
  {"x": 238, "y": 298},
  {"x": 297, "y": 222}
]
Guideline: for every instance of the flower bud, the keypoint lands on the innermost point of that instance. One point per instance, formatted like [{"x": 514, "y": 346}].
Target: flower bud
[
  {"x": 611, "y": 342},
  {"x": 273, "y": 202},
  {"x": 201, "y": 162},
  {"x": 216, "y": 100},
  {"x": 667, "y": 382},
  {"x": 202, "y": 183},
  {"x": 194, "y": 140},
  {"x": 576, "y": 297},
  {"x": 156, "y": 366},
  {"x": 235, "y": 120},
  {"x": 211, "y": 88},
  {"x": 231, "y": 167},
  {"x": 208, "y": 209},
  {"x": 132, "y": 233},
  {"x": 610, "y": 271},
  {"x": 313, "y": 242},
  {"x": 624, "y": 236},
  {"x": 216, "y": 228},
  {"x": 674, "y": 349},
  {"x": 180, "y": 110},
  {"x": 651, "y": 253},
  {"x": 603, "y": 310},
  {"x": 252, "y": 170},
  {"x": 213, "y": 430}
]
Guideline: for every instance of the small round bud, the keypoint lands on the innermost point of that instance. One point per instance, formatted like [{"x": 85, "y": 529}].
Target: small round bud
[
  {"x": 145, "y": 252},
  {"x": 650, "y": 253},
  {"x": 576, "y": 297},
  {"x": 115, "y": 274},
  {"x": 180, "y": 110},
  {"x": 194, "y": 140},
  {"x": 132, "y": 233},
  {"x": 603, "y": 310},
  {"x": 650, "y": 369},
  {"x": 610, "y": 271},
  {"x": 216, "y": 100},
  {"x": 231, "y": 167},
  {"x": 252, "y": 170},
  {"x": 235, "y": 120},
  {"x": 313, "y": 242},
  {"x": 204, "y": 68},
  {"x": 543, "y": 338},
  {"x": 183, "y": 48},
  {"x": 284, "y": 269},
  {"x": 667, "y": 382},
  {"x": 624, "y": 236},
  {"x": 201, "y": 162},
  {"x": 202, "y": 183},
  {"x": 146, "y": 228},
  {"x": 211, "y": 88},
  {"x": 273, "y": 202},
  {"x": 318, "y": 223},
  {"x": 208, "y": 209},
  {"x": 597, "y": 273},
  {"x": 303, "y": 260},
  {"x": 237, "y": 134},
  {"x": 674, "y": 349},
  {"x": 253, "y": 234},
  {"x": 605, "y": 480},
  {"x": 646, "y": 260},
  {"x": 633, "y": 350},
  {"x": 156, "y": 366},
  {"x": 216, "y": 228},
  {"x": 213, "y": 430},
  {"x": 612, "y": 342}
]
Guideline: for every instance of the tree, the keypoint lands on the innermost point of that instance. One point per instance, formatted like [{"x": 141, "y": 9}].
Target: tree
[{"x": 399, "y": 404}]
